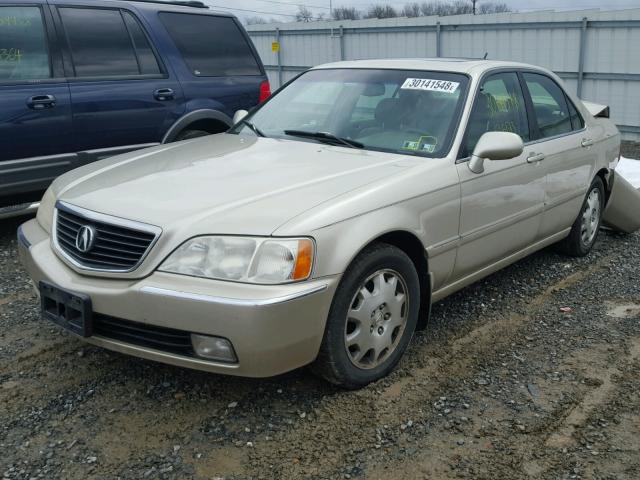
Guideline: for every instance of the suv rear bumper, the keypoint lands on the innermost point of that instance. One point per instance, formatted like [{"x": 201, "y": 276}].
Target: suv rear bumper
[{"x": 273, "y": 329}]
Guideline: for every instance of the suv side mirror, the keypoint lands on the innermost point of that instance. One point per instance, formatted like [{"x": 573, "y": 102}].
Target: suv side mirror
[
  {"x": 495, "y": 146},
  {"x": 239, "y": 115}
]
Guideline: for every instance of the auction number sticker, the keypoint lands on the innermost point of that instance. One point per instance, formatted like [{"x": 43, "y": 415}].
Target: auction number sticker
[{"x": 430, "y": 85}]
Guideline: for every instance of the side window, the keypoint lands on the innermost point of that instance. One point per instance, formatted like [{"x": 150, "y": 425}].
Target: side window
[
  {"x": 99, "y": 41},
  {"x": 549, "y": 105},
  {"x": 23, "y": 45},
  {"x": 211, "y": 46},
  {"x": 146, "y": 58},
  {"x": 498, "y": 107},
  {"x": 577, "y": 122}
]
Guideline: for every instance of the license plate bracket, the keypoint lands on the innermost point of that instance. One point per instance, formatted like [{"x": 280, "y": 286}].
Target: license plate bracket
[{"x": 70, "y": 310}]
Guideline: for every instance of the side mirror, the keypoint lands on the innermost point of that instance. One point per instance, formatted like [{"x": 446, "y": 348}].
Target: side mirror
[
  {"x": 495, "y": 146},
  {"x": 239, "y": 115}
]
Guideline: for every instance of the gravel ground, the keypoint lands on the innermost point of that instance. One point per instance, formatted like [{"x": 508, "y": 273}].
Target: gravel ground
[{"x": 533, "y": 373}]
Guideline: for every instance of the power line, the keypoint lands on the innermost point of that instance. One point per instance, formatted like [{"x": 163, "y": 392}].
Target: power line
[
  {"x": 254, "y": 11},
  {"x": 294, "y": 4}
]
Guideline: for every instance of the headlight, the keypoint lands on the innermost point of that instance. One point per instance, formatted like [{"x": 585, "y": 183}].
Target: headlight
[{"x": 243, "y": 259}]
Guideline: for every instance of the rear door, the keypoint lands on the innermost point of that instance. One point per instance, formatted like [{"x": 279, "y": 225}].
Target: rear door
[
  {"x": 124, "y": 97},
  {"x": 219, "y": 67},
  {"x": 560, "y": 143},
  {"x": 36, "y": 141}
]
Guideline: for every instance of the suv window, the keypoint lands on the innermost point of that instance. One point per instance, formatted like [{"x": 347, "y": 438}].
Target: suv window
[
  {"x": 101, "y": 45},
  {"x": 23, "y": 45},
  {"x": 549, "y": 105},
  {"x": 211, "y": 46},
  {"x": 499, "y": 107},
  {"x": 146, "y": 58}
]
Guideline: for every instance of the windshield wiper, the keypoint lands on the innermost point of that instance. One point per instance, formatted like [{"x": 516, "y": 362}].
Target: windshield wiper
[
  {"x": 253, "y": 128},
  {"x": 325, "y": 136}
]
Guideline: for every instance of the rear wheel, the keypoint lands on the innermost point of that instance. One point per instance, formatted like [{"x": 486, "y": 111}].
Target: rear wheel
[
  {"x": 372, "y": 318},
  {"x": 584, "y": 231}
]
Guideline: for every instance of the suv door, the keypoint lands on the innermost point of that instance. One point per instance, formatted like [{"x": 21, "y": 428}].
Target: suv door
[
  {"x": 123, "y": 95},
  {"x": 563, "y": 145},
  {"x": 501, "y": 208},
  {"x": 220, "y": 68},
  {"x": 35, "y": 110}
]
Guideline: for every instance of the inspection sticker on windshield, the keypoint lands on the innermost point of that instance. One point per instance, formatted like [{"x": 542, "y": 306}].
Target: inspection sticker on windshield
[{"x": 430, "y": 85}]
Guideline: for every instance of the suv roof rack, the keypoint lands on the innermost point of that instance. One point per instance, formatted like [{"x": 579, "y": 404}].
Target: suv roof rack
[{"x": 182, "y": 3}]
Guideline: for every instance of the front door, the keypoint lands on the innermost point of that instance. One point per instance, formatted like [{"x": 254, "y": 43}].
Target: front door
[
  {"x": 35, "y": 111},
  {"x": 501, "y": 207},
  {"x": 122, "y": 95}
]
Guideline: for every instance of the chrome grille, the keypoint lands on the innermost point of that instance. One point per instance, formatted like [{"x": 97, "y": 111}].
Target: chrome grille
[{"x": 119, "y": 245}]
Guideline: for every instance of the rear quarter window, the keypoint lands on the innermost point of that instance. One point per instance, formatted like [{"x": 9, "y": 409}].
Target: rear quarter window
[{"x": 211, "y": 46}]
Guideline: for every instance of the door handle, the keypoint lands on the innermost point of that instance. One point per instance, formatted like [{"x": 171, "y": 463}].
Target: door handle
[
  {"x": 586, "y": 142},
  {"x": 40, "y": 102},
  {"x": 164, "y": 94},
  {"x": 535, "y": 157}
]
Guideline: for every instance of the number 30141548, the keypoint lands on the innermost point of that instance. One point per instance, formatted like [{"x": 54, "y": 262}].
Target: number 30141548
[{"x": 10, "y": 55}]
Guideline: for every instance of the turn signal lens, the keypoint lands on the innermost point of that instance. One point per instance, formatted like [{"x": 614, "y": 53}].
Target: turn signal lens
[{"x": 304, "y": 261}]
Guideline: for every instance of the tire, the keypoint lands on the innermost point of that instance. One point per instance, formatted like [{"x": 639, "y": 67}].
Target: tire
[
  {"x": 189, "y": 134},
  {"x": 584, "y": 231},
  {"x": 382, "y": 324}
]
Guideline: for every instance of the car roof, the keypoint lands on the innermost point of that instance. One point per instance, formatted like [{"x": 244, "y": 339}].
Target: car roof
[{"x": 472, "y": 66}]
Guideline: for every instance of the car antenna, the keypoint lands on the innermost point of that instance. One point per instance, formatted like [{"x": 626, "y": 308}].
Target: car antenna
[{"x": 486, "y": 54}]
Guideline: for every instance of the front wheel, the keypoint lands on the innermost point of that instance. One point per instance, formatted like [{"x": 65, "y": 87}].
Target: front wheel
[
  {"x": 372, "y": 318},
  {"x": 584, "y": 231}
]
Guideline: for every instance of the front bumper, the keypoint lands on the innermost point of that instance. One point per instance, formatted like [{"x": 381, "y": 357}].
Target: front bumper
[{"x": 273, "y": 328}]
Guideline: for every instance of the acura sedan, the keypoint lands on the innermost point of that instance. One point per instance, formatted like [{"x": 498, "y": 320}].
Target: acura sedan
[{"x": 322, "y": 226}]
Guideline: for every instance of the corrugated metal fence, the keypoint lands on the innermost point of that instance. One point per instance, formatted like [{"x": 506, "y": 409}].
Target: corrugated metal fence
[{"x": 596, "y": 53}]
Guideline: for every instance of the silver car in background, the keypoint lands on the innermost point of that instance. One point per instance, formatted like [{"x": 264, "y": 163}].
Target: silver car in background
[{"x": 321, "y": 228}]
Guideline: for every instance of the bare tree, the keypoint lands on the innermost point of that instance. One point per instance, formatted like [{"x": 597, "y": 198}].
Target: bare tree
[
  {"x": 346, "y": 13},
  {"x": 255, "y": 20},
  {"x": 439, "y": 8},
  {"x": 411, "y": 10},
  {"x": 491, "y": 7},
  {"x": 381, "y": 11},
  {"x": 304, "y": 14}
]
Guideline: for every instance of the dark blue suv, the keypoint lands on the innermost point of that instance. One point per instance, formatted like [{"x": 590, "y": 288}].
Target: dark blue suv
[{"x": 82, "y": 80}]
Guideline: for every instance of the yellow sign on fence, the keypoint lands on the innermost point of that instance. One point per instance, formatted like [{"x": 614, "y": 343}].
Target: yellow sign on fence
[{"x": 275, "y": 46}]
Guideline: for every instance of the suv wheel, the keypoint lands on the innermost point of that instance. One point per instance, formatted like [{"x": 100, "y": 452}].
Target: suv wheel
[
  {"x": 584, "y": 232},
  {"x": 372, "y": 318}
]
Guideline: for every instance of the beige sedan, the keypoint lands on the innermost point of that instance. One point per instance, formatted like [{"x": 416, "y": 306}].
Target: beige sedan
[{"x": 320, "y": 229}]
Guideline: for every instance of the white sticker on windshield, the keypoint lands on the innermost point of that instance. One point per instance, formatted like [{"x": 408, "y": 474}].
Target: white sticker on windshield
[{"x": 430, "y": 85}]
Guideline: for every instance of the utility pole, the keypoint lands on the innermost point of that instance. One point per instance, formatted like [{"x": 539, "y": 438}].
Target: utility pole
[
  {"x": 331, "y": 9},
  {"x": 474, "y": 6}
]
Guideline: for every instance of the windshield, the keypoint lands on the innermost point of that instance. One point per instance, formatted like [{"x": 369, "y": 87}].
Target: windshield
[{"x": 399, "y": 111}]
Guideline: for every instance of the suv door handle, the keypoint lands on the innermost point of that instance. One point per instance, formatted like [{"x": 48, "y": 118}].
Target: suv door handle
[
  {"x": 40, "y": 102},
  {"x": 586, "y": 142},
  {"x": 164, "y": 94},
  {"x": 535, "y": 157}
]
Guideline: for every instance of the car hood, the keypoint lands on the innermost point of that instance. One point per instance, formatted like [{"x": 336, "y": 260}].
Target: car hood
[{"x": 224, "y": 183}]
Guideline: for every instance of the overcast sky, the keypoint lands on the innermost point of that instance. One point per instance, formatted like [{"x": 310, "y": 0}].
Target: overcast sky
[{"x": 271, "y": 8}]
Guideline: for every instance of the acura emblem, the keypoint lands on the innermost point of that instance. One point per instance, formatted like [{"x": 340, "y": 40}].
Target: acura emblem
[{"x": 85, "y": 238}]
